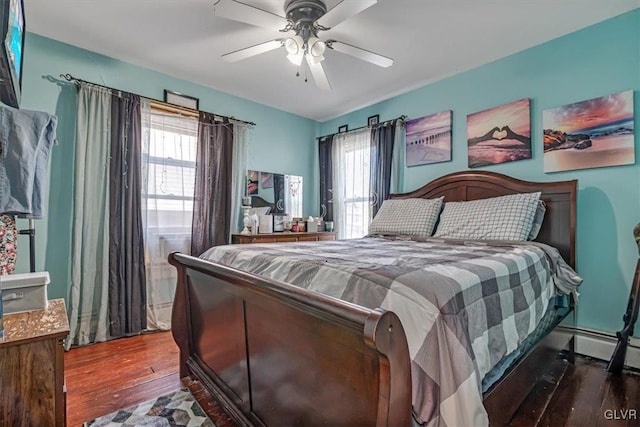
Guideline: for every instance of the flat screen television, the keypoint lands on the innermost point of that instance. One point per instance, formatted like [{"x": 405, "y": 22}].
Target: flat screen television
[{"x": 12, "y": 30}]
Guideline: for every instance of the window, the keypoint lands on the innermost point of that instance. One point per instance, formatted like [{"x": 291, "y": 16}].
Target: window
[
  {"x": 169, "y": 146},
  {"x": 351, "y": 197},
  {"x": 170, "y": 157}
]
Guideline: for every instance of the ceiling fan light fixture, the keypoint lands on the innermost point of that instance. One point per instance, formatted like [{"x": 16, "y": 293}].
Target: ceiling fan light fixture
[
  {"x": 315, "y": 59},
  {"x": 316, "y": 47},
  {"x": 293, "y": 45},
  {"x": 296, "y": 59}
]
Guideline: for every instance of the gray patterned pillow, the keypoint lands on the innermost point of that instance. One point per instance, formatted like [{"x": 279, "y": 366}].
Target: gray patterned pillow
[
  {"x": 537, "y": 220},
  {"x": 415, "y": 217},
  {"x": 498, "y": 218}
]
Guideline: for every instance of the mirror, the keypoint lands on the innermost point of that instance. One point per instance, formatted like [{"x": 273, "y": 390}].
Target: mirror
[{"x": 282, "y": 192}]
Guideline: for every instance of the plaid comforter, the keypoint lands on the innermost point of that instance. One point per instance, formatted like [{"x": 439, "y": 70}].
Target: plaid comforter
[{"x": 463, "y": 305}]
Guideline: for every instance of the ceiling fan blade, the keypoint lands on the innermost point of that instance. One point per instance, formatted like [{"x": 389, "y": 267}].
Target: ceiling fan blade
[
  {"x": 356, "y": 52},
  {"x": 242, "y": 12},
  {"x": 250, "y": 51},
  {"x": 344, "y": 10},
  {"x": 319, "y": 76}
]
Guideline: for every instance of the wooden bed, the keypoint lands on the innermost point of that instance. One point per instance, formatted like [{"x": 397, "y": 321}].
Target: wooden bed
[{"x": 275, "y": 354}]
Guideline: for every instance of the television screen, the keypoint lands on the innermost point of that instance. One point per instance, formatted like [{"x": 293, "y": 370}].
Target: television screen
[
  {"x": 12, "y": 51},
  {"x": 13, "y": 40}
]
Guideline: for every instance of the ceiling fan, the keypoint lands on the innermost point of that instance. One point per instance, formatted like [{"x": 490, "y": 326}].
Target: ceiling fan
[{"x": 305, "y": 18}]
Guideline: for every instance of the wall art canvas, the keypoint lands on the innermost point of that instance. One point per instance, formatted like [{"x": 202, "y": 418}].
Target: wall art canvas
[
  {"x": 252, "y": 182},
  {"x": 594, "y": 133},
  {"x": 266, "y": 179},
  {"x": 428, "y": 139},
  {"x": 500, "y": 134}
]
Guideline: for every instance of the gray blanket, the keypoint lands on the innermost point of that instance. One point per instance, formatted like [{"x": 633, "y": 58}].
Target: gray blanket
[{"x": 463, "y": 305}]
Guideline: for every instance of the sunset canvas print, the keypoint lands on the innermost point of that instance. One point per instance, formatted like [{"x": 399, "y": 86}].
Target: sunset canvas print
[
  {"x": 594, "y": 133},
  {"x": 500, "y": 134},
  {"x": 428, "y": 139}
]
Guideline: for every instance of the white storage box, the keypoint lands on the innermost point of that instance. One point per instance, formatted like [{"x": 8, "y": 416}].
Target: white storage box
[
  {"x": 266, "y": 224},
  {"x": 24, "y": 292}
]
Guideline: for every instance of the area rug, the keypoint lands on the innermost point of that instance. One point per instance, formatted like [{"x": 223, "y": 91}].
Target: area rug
[{"x": 178, "y": 409}]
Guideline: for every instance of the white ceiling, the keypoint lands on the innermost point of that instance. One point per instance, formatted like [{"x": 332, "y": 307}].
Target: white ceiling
[{"x": 428, "y": 39}]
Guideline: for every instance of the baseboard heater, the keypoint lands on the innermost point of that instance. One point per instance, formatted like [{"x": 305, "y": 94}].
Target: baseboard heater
[{"x": 600, "y": 345}]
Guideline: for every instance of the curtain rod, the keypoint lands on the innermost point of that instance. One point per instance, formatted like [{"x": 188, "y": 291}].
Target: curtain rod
[
  {"x": 69, "y": 78},
  {"x": 402, "y": 117}
]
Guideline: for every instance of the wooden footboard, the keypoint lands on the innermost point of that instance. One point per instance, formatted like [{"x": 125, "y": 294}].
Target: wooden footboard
[{"x": 275, "y": 354}]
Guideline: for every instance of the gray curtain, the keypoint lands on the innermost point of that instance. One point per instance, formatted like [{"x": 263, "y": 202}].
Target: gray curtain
[
  {"x": 239, "y": 169},
  {"x": 212, "y": 199},
  {"x": 382, "y": 142},
  {"x": 127, "y": 279},
  {"x": 89, "y": 297},
  {"x": 398, "y": 161},
  {"x": 325, "y": 147}
]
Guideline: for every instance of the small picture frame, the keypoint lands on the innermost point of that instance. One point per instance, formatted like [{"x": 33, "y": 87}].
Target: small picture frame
[
  {"x": 373, "y": 120},
  {"x": 343, "y": 128},
  {"x": 181, "y": 100}
]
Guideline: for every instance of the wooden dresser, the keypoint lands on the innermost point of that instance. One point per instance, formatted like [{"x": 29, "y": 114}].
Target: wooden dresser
[
  {"x": 283, "y": 237},
  {"x": 32, "y": 367}
]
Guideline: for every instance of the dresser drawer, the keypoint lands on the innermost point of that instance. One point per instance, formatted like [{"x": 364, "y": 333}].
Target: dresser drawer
[
  {"x": 285, "y": 239},
  {"x": 282, "y": 237},
  {"x": 326, "y": 236}
]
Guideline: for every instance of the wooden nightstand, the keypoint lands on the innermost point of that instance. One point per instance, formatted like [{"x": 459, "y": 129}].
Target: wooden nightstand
[{"x": 283, "y": 237}]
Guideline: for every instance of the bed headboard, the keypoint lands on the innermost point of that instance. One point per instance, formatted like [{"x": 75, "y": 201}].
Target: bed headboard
[{"x": 559, "y": 225}]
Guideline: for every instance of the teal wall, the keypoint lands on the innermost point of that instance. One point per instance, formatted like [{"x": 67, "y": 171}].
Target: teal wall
[
  {"x": 599, "y": 60},
  {"x": 280, "y": 142},
  {"x": 596, "y": 61}
]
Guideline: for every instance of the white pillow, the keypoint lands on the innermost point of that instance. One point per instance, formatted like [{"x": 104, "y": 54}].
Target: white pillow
[
  {"x": 498, "y": 218},
  {"x": 416, "y": 217}
]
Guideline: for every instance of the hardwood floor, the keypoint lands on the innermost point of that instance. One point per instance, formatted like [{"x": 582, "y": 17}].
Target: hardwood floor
[
  {"x": 105, "y": 377},
  {"x": 582, "y": 395},
  {"x": 109, "y": 376},
  {"x": 102, "y": 378}
]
